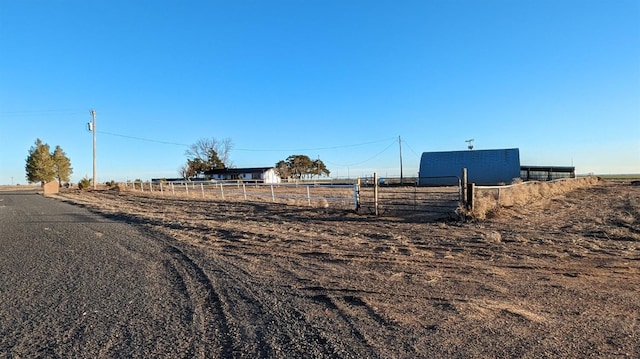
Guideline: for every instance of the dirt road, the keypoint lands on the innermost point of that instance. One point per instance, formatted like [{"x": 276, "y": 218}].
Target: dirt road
[{"x": 557, "y": 278}]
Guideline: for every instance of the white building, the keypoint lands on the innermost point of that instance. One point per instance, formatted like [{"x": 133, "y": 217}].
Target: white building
[{"x": 255, "y": 174}]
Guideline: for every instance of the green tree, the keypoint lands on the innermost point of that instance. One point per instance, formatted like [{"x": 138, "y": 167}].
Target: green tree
[
  {"x": 300, "y": 167},
  {"x": 320, "y": 169},
  {"x": 61, "y": 165},
  {"x": 282, "y": 167},
  {"x": 40, "y": 166},
  {"x": 206, "y": 154}
]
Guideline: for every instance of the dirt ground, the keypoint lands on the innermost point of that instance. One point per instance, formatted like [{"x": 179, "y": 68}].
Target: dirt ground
[{"x": 555, "y": 278}]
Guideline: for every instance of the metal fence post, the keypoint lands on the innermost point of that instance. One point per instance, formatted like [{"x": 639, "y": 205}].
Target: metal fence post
[
  {"x": 375, "y": 192},
  {"x": 356, "y": 195},
  {"x": 463, "y": 187}
]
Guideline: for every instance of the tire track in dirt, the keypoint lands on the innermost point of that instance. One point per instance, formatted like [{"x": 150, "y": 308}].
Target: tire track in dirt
[
  {"x": 279, "y": 327},
  {"x": 351, "y": 316},
  {"x": 206, "y": 306},
  {"x": 355, "y": 313}
]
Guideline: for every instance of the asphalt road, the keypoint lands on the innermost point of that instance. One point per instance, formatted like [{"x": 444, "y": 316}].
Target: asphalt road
[
  {"x": 79, "y": 284},
  {"x": 75, "y": 284}
]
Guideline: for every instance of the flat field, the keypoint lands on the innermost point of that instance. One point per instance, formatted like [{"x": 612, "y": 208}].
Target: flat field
[{"x": 559, "y": 277}]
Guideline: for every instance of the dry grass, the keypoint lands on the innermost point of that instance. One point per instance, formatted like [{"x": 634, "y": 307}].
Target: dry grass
[
  {"x": 553, "y": 277},
  {"x": 489, "y": 199},
  {"x": 20, "y": 188}
]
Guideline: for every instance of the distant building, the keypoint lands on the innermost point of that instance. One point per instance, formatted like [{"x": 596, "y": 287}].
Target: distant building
[
  {"x": 484, "y": 167},
  {"x": 546, "y": 173},
  {"x": 259, "y": 174}
]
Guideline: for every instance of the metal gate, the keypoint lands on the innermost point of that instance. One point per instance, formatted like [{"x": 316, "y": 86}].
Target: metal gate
[{"x": 390, "y": 197}]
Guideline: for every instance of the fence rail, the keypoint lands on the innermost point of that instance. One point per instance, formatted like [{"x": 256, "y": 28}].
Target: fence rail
[
  {"x": 368, "y": 195},
  {"x": 390, "y": 196},
  {"x": 311, "y": 194}
]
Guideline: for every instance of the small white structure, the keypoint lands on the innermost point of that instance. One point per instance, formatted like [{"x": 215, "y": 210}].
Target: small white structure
[{"x": 254, "y": 174}]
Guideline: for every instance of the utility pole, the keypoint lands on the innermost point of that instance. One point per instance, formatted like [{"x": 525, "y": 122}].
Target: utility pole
[
  {"x": 92, "y": 127},
  {"x": 400, "y": 144}
]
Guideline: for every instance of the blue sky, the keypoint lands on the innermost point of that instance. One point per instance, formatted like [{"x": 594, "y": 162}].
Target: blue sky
[{"x": 336, "y": 79}]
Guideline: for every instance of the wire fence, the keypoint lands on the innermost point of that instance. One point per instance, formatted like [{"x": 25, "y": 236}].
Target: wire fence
[
  {"x": 368, "y": 195},
  {"x": 404, "y": 196},
  {"x": 343, "y": 196}
]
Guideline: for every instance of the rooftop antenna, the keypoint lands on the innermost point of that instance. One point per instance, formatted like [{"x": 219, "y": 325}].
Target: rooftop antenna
[{"x": 469, "y": 144}]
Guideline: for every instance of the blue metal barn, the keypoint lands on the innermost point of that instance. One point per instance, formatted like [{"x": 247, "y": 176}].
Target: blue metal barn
[{"x": 484, "y": 167}]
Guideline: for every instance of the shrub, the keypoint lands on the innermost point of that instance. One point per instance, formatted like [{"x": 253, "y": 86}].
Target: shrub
[{"x": 84, "y": 183}]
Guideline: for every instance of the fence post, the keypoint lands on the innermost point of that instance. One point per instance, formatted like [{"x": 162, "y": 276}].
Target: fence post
[
  {"x": 273, "y": 196},
  {"x": 173, "y": 190},
  {"x": 222, "y": 191},
  {"x": 244, "y": 191},
  {"x": 308, "y": 197},
  {"x": 141, "y": 186},
  {"x": 356, "y": 195},
  {"x": 202, "y": 189},
  {"x": 151, "y": 186},
  {"x": 186, "y": 187},
  {"x": 471, "y": 189},
  {"x": 375, "y": 192},
  {"x": 161, "y": 190},
  {"x": 463, "y": 187}
]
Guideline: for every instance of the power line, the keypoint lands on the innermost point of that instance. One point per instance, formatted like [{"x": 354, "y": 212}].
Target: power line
[
  {"x": 368, "y": 159},
  {"x": 312, "y": 149},
  {"x": 143, "y": 139},
  {"x": 41, "y": 112},
  {"x": 412, "y": 150},
  {"x": 248, "y": 149}
]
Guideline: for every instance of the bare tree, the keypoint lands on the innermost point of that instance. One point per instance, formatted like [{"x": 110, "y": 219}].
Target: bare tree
[
  {"x": 205, "y": 147},
  {"x": 184, "y": 171},
  {"x": 206, "y": 154}
]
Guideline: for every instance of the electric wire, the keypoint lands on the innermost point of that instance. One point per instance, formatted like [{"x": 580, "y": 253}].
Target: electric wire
[
  {"x": 367, "y": 160},
  {"x": 311, "y": 149},
  {"x": 143, "y": 139},
  {"x": 412, "y": 150}
]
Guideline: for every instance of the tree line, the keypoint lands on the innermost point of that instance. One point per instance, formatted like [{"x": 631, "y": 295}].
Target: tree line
[
  {"x": 44, "y": 166},
  {"x": 211, "y": 154}
]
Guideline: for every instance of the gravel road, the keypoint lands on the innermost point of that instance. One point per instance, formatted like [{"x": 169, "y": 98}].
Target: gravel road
[{"x": 75, "y": 284}]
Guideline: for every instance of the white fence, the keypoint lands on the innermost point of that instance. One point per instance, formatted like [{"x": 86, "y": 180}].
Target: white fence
[{"x": 309, "y": 194}]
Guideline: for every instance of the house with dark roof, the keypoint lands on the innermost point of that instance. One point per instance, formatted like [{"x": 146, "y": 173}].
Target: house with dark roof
[{"x": 254, "y": 174}]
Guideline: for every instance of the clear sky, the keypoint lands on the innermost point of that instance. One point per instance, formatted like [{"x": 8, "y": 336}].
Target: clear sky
[{"x": 336, "y": 79}]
